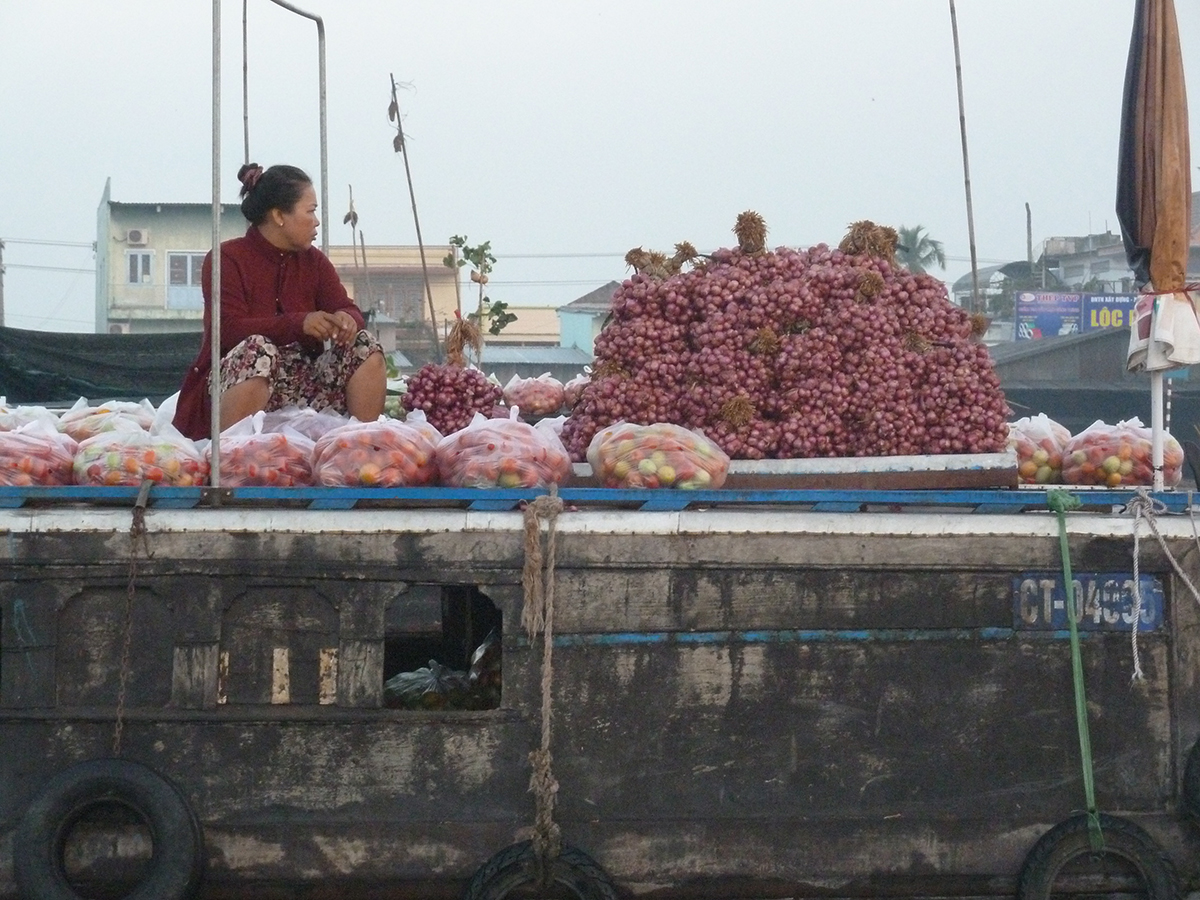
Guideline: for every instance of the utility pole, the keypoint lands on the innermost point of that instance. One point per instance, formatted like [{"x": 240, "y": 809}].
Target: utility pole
[
  {"x": 1029, "y": 238},
  {"x": 1, "y": 283},
  {"x": 962, "y": 125}
]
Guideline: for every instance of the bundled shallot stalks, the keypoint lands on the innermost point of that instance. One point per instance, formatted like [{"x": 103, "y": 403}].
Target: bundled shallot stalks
[{"x": 794, "y": 353}]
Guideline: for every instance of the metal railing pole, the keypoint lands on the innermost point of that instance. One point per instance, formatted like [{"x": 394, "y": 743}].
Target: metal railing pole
[
  {"x": 324, "y": 142},
  {"x": 215, "y": 305}
]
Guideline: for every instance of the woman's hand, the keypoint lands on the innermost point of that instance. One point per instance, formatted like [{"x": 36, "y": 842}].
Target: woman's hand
[
  {"x": 347, "y": 328},
  {"x": 338, "y": 327}
]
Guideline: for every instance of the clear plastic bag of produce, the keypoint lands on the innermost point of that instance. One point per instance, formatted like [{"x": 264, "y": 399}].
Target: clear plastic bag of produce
[
  {"x": 1039, "y": 442},
  {"x": 430, "y": 687},
  {"x": 83, "y": 420},
  {"x": 541, "y": 396},
  {"x": 383, "y": 453},
  {"x": 416, "y": 419},
  {"x": 553, "y": 425},
  {"x": 253, "y": 457},
  {"x": 1119, "y": 456},
  {"x": 127, "y": 455},
  {"x": 502, "y": 453},
  {"x": 651, "y": 456},
  {"x": 13, "y": 417},
  {"x": 36, "y": 454},
  {"x": 573, "y": 389},
  {"x": 309, "y": 422}
]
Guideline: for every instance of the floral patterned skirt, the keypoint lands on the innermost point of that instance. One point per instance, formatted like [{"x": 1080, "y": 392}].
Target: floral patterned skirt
[{"x": 296, "y": 378}]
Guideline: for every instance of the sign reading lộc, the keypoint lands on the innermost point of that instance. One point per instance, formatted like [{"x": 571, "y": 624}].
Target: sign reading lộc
[{"x": 1107, "y": 311}]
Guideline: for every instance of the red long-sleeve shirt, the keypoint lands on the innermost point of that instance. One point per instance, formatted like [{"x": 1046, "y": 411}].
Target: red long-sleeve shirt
[{"x": 264, "y": 290}]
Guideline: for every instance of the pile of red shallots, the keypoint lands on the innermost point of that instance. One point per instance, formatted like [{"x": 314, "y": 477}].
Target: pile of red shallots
[
  {"x": 794, "y": 353},
  {"x": 450, "y": 394}
]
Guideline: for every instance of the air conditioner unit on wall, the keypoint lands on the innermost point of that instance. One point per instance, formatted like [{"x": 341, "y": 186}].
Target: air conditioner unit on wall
[{"x": 137, "y": 237}]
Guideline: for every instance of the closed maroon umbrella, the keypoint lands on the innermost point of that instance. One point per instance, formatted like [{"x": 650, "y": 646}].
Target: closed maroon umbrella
[{"x": 1154, "y": 197}]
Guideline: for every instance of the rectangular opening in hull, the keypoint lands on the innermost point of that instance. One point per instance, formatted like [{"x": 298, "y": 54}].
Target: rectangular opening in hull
[{"x": 442, "y": 649}]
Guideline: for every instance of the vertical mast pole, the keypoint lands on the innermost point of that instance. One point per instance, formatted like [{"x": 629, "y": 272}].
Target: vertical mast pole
[
  {"x": 215, "y": 306},
  {"x": 962, "y": 127}
]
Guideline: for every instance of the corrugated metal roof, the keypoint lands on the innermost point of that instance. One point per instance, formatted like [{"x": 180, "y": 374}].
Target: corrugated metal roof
[
  {"x": 507, "y": 354},
  {"x": 401, "y": 361}
]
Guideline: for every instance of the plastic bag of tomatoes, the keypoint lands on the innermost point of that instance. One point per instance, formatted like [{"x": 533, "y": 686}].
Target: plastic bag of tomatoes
[
  {"x": 651, "y": 456},
  {"x": 309, "y": 422},
  {"x": 1119, "y": 456},
  {"x": 128, "y": 455},
  {"x": 36, "y": 453},
  {"x": 252, "y": 457},
  {"x": 384, "y": 453},
  {"x": 416, "y": 419},
  {"x": 541, "y": 396},
  {"x": 14, "y": 417},
  {"x": 83, "y": 421},
  {"x": 502, "y": 453},
  {"x": 1039, "y": 442}
]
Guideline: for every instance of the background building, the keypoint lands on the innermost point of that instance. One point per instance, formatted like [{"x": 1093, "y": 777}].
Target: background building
[
  {"x": 388, "y": 284},
  {"x": 581, "y": 320},
  {"x": 148, "y": 258}
]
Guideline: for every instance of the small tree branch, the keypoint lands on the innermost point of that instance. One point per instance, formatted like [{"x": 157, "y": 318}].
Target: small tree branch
[{"x": 402, "y": 147}]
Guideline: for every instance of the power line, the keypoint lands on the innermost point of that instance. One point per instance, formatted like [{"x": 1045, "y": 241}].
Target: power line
[
  {"x": 561, "y": 256},
  {"x": 44, "y": 268},
  {"x": 590, "y": 254},
  {"x": 535, "y": 283},
  {"x": 42, "y": 243}
]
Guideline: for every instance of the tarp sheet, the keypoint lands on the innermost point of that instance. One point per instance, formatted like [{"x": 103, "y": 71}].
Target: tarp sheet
[{"x": 53, "y": 368}]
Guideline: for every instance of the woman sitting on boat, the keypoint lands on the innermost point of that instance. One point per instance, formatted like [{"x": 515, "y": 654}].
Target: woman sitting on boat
[{"x": 281, "y": 301}]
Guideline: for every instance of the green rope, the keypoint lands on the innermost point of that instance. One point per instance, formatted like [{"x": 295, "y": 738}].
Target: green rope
[{"x": 1062, "y": 502}]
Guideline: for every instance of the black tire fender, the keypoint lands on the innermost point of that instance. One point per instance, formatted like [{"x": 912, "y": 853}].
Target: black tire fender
[
  {"x": 516, "y": 867},
  {"x": 1069, "y": 840},
  {"x": 177, "y": 863}
]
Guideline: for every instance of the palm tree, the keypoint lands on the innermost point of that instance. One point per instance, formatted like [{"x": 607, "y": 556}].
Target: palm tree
[{"x": 916, "y": 251}]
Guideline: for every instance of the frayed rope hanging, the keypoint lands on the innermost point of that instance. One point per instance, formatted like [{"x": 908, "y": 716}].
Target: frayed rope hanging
[
  {"x": 537, "y": 615},
  {"x": 1145, "y": 507}
]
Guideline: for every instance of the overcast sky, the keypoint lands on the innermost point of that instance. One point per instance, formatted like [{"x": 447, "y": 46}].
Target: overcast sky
[{"x": 568, "y": 132}]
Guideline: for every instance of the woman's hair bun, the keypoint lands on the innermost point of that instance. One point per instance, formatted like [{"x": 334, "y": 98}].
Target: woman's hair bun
[
  {"x": 248, "y": 175},
  {"x": 279, "y": 187}
]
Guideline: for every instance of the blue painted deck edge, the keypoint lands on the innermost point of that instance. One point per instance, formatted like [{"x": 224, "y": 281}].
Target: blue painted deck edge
[
  {"x": 1000, "y": 500},
  {"x": 813, "y": 636}
]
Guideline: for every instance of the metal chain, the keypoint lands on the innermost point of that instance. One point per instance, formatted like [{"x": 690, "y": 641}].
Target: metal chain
[{"x": 137, "y": 532}]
